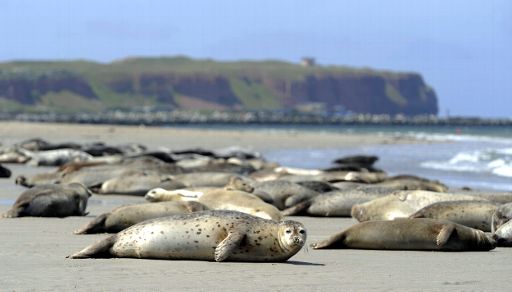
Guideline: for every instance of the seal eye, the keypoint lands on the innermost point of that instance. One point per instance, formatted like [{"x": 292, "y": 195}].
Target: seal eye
[
  {"x": 302, "y": 231},
  {"x": 288, "y": 231}
]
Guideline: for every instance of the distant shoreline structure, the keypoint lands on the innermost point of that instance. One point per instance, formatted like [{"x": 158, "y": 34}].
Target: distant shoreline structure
[{"x": 178, "y": 117}]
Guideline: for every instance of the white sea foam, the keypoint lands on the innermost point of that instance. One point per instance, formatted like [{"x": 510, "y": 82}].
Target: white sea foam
[
  {"x": 458, "y": 138},
  {"x": 505, "y": 170},
  {"x": 493, "y": 161}
]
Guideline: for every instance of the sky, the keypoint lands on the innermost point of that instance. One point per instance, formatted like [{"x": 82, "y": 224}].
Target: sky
[{"x": 462, "y": 48}]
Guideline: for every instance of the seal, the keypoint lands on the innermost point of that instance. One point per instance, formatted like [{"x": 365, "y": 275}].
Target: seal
[
  {"x": 409, "y": 234},
  {"x": 337, "y": 203},
  {"x": 136, "y": 184},
  {"x": 13, "y": 156},
  {"x": 207, "y": 235},
  {"x": 125, "y": 216},
  {"x": 402, "y": 204},
  {"x": 55, "y": 157},
  {"x": 203, "y": 179},
  {"x": 412, "y": 182},
  {"x": 39, "y": 179},
  {"x": 282, "y": 194},
  {"x": 338, "y": 176},
  {"x": 219, "y": 199},
  {"x": 474, "y": 214},
  {"x": 51, "y": 201}
]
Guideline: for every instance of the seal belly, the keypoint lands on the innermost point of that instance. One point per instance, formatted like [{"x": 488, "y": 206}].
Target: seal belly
[{"x": 187, "y": 239}]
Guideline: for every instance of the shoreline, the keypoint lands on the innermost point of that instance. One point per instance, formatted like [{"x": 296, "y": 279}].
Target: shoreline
[
  {"x": 176, "y": 138},
  {"x": 158, "y": 117}
]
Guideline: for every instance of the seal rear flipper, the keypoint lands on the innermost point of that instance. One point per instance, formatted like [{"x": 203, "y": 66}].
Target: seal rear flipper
[
  {"x": 297, "y": 209},
  {"x": 418, "y": 214},
  {"x": 444, "y": 234},
  {"x": 16, "y": 210},
  {"x": 335, "y": 241},
  {"x": 295, "y": 199},
  {"x": 11, "y": 213},
  {"x": 97, "y": 225},
  {"x": 230, "y": 243},
  {"x": 100, "y": 249}
]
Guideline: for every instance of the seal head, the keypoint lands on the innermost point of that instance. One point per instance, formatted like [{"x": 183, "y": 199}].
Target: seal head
[{"x": 292, "y": 235}]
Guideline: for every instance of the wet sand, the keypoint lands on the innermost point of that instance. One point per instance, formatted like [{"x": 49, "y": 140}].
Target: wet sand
[{"x": 33, "y": 250}]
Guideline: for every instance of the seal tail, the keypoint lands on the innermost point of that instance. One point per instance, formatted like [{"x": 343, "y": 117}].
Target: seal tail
[
  {"x": 15, "y": 211},
  {"x": 418, "y": 214},
  {"x": 100, "y": 249},
  {"x": 97, "y": 225},
  {"x": 11, "y": 213},
  {"x": 297, "y": 209},
  {"x": 495, "y": 222}
]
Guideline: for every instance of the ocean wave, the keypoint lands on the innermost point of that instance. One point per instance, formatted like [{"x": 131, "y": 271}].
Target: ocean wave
[
  {"x": 438, "y": 137},
  {"x": 493, "y": 161}
]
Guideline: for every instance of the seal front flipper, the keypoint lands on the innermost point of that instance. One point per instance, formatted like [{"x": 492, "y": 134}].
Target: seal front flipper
[
  {"x": 97, "y": 225},
  {"x": 444, "y": 234},
  {"x": 100, "y": 249},
  {"x": 230, "y": 243},
  {"x": 335, "y": 241}
]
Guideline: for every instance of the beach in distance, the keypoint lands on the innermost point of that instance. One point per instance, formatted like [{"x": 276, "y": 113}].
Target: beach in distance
[{"x": 33, "y": 250}]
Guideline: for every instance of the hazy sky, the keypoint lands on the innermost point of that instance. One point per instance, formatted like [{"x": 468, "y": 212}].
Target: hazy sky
[{"x": 462, "y": 48}]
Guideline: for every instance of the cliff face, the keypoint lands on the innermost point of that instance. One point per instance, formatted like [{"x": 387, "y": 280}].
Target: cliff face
[
  {"x": 249, "y": 85},
  {"x": 406, "y": 94},
  {"x": 211, "y": 88},
  {"x": 28, "y": 90}
]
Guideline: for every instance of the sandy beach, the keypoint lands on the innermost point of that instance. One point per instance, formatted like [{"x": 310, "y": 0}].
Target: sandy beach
[{"x": 33, "y": 250}]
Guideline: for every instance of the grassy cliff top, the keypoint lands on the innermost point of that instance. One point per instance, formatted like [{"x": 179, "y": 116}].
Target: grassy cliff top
[{"x": 182, "y": 66}]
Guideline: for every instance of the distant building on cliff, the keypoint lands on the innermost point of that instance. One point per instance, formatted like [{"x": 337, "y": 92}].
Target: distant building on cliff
[{"x": 308, "y": 62}]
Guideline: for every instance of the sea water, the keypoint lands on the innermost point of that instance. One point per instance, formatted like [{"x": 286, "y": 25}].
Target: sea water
[
  {"x": 479, "y": 157},
  {"x": 474, "y": 157}
]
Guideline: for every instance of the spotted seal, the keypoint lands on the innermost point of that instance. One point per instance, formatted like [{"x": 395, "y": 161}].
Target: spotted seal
[
  {"x": 474, "y": 214},
  {"x": 207, "y": 235}
]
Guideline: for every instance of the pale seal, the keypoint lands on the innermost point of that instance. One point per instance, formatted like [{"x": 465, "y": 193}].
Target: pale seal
[
  {"x": 125, "y": 216},
  {"x": 51, "y": 201},
  {"x": 402, "y": 204},
  {"x": 208, "y": 235},
  {"x": 410, "y": 234},
  {"x": 338, "y": 176},
  {"x": 136, "y": 184},
  {"x": 55, "y": 157},
  {"x": 203, "y": 179},
  {"x": 219, "y": 199}
]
